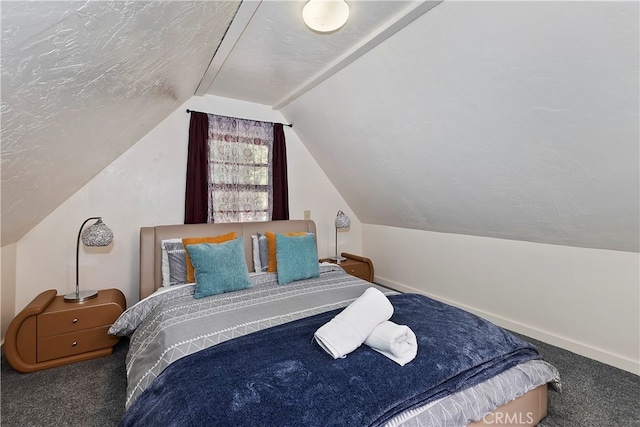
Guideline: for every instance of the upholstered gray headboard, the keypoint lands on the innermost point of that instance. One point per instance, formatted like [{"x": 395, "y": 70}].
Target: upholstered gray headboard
[{"x": 151, "y": 253}]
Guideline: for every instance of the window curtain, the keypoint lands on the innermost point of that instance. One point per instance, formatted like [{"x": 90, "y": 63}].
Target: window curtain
[
  {"x": 280, "y": 182},
  {"x": 245, "y": 170},
  {"x": 196, "y": 197}
]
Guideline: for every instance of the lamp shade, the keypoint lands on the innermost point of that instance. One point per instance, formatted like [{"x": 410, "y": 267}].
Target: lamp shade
[
  {"x": 325, "y": 16},
  {"x": 97, "y": 234},
  {"x": 342, "y": 220}
]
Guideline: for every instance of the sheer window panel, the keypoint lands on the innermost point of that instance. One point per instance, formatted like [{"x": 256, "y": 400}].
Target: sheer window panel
[{"x": 240, "y": 175}]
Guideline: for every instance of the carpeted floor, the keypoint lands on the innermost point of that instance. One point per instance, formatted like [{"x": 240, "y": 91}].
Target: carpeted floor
[
  {"x": 92, "y": 393},
  {"x": 593, "y": 394},
  {"x": 83, "y": 394}
]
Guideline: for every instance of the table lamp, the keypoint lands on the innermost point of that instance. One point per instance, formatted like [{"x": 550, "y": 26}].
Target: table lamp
[
  {"x": 97, "y": 234},
  {"x": 342, "y": 221}
]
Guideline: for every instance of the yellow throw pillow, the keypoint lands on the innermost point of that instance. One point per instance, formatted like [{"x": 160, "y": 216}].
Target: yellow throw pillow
[
  {"x": 271, "y": 243},
  {"x": 194, "y": 241}
]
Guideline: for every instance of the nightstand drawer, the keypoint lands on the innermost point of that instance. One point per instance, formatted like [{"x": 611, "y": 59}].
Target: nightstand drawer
[
  {"x": 357, "y": 269},
  {"x": 74, "y": 343},
  {"x": 81, "y": 318}
]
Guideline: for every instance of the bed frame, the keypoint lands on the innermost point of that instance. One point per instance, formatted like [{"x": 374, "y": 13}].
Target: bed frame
[{"x": 527, "y": 410}]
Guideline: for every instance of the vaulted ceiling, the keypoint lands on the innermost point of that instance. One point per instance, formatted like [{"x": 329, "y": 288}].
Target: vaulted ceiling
[
  {"x": 84, "y": 81},
  {"x": 515, "y": 120}
]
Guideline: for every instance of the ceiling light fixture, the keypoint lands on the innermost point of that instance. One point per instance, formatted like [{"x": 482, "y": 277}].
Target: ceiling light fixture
[{"x": 325, "y": 16}]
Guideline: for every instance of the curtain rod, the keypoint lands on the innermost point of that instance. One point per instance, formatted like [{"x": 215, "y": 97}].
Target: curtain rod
[{"x": 194, "y": 111}]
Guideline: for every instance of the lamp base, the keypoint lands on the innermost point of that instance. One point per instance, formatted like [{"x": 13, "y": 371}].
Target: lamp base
[
  {"x": 338, "y": 259},
  {"x": 80, "y": 296}
]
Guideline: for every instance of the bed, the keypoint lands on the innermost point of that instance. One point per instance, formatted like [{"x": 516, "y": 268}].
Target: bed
[{"x": 246, "y": 357}]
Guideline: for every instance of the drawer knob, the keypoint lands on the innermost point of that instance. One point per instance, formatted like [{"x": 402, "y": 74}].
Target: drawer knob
[
  {"x": 74, "y": 321},
  {"x": 75, "y": 343},
  {"x": 352, "y": 270}
]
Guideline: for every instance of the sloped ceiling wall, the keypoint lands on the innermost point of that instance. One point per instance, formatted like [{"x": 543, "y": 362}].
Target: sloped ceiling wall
[
  {"x": 83, "y": 81},
  {"x": 515, "y": 120}
]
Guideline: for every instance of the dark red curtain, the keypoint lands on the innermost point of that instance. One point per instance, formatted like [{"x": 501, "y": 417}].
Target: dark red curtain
[
  {"x": 279, "y": 168},
  {"x": 196, "y": 198}
]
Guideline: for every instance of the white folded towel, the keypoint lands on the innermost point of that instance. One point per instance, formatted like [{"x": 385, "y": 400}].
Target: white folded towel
[
  {"x": 397, "y": 342},
  {"x": 349, "y": 328}
]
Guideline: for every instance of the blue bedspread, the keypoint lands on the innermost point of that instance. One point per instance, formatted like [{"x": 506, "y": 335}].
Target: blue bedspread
[{"x": 279, "y": 377}]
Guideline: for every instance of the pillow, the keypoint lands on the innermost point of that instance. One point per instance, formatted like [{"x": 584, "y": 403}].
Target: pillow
[
  {"x": 166, "y": 271},
  {"x": 297, "y": 258},
  {"x": 197, "y": 240},
  {"x": 271, "y": 243},
  {"x": 260, "y": 252},
  {"x": 177, "y": 257},
  {"x": 264, "y": 251},
  {"x": 255, "y": 251},
  {"x": 219, "y": 267}
]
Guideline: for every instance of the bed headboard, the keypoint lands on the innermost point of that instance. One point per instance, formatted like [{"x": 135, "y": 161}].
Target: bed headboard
[{"x": 150, "y": 238}]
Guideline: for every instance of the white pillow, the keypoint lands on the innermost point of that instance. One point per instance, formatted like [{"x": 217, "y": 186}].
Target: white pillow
[
  {"x": 257, "y": 267},
  {"x": 260, "y": 252},
  {"x": 166, "y": 273}
]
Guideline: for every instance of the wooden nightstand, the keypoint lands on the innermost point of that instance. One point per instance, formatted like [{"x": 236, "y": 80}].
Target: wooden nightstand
[
  {"x": 51, "y": 332},
  {"x": 356, "y": 266}
]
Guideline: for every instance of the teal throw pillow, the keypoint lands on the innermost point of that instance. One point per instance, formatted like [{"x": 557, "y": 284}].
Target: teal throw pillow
[
  {"x": 297, "y": 258},
  {"x": 219, "y": 267}
]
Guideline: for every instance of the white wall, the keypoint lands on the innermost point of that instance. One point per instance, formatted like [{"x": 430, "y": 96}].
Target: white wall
[
  {"x": 146, "y": 186},
  {"x": 7, "y": 286},
  {"x": 584, "y": 300},
  {"x": 507, "y": 119}
]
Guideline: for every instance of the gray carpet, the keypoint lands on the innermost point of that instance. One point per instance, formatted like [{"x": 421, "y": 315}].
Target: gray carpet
[
  {"x": 92, "y": 393},
  {"x": 89, "y": 393},
  {"x": 593, "y": 394}
]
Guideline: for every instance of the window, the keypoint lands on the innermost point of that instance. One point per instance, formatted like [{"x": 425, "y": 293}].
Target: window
[
  {"x": 240, "y": 170},
  {"x": 236, "y": 170}
]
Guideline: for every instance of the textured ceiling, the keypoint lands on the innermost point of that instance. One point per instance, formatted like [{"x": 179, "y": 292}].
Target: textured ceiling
[
  {"x": 515, "y": 120},
  {"x": 83, "y": 81},
  {"x": 277, "y": 52}
]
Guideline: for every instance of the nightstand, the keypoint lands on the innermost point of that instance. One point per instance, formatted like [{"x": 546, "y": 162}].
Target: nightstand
[
  {"x": 51, "y": 332},
  {"x": 356, "y": 266}
]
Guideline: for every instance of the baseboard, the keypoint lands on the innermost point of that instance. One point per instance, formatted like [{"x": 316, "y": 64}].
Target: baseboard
[{"x": 585, "y": 350}]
